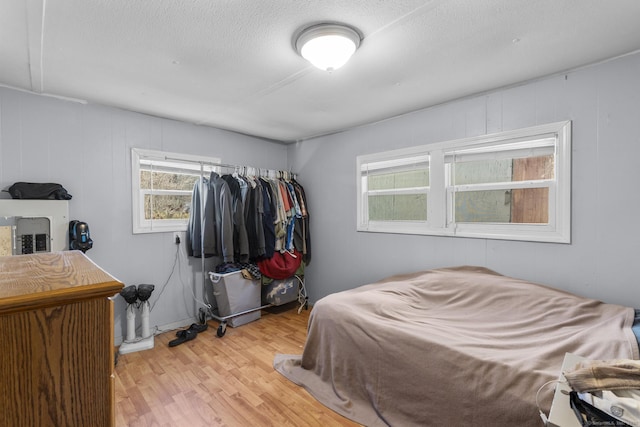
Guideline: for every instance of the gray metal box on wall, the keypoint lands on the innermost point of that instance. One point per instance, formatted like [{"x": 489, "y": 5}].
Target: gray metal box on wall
[
  {"x": 235, "y": 294},
  {"x": 46, "y": 221}
]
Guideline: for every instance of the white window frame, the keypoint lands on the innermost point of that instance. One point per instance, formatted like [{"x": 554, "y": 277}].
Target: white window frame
[
  {"x": 440, "y": 219},
  {"x": 389, "y": 163},
  {"x": 197, "y": 164}
]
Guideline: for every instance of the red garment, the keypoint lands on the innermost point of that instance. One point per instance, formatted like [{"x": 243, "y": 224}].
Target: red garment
[
  {"x": 281, "y": 265},
  {"x": 285, "y": 197}
]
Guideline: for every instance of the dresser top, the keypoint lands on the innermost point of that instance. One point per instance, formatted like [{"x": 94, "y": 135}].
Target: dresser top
[{"x": 45, "y": 279}]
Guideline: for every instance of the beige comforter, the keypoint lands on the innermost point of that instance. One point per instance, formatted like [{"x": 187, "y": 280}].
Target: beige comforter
[{"x": 450, "y": 347}]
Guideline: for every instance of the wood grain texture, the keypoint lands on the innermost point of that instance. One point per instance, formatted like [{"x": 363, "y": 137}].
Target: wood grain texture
[
  {"x": 58, "y": 368},
  {"x": 29, "y": 282},
  {"x": 213, "y": 381},
  {"x": 531, "y": 205},
  {"x": 57, "y": 362}
]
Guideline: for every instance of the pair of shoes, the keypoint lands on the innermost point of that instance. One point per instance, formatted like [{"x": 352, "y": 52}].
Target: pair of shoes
[
  {"x": 188, "y": 334},
  {"x": 183, "y": 336}
]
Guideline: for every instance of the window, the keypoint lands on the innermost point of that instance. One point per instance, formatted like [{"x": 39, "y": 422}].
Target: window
[
  {"x": 162, "y": 185},
  {"x": 397, "y": 189},
  {"x": 513, "y": 185}
]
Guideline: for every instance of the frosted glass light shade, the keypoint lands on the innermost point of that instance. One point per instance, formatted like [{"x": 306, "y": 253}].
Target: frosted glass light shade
[{"x": 328, "y": 46}]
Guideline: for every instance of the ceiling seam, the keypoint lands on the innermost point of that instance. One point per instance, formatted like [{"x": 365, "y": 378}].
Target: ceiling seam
[
  {"x": 44, "y": 7},
  {"x": 26, "y": 19},
  {"x": 35, "y": 42},
  {"x": 404, "y": 17}
]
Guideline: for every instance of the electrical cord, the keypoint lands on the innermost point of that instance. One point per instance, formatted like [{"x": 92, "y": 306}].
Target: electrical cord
[
  {"x": 156, "y": 330},
  {"x": 188, "y": 285},
  {"x": 164, "y": 286},
  {"x": 543, "y": 416}
]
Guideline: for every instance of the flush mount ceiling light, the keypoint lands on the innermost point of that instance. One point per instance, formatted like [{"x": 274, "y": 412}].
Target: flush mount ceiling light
[{"x": 328, "y": 46}]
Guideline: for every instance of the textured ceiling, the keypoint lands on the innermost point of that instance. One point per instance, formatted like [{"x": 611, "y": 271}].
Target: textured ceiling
[{"x": 230, "y": 63}]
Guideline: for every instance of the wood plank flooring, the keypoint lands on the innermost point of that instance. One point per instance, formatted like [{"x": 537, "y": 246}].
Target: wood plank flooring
[{"x": 211, "y": 381}]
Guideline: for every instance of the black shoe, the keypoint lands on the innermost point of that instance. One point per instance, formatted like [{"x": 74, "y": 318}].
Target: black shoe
[
  {"x": 194, "y": 327},
  {"x": 188, "y": 335},
  {"x": 198, "y": 327}
]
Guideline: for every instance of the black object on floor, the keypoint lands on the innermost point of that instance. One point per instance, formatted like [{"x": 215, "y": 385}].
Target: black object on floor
[
  {"x": 186, "y": 335},
  {"x": 198, "y": 327}
]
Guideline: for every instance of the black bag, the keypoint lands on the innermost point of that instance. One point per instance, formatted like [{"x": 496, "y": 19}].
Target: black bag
[
  {"x": 590, "y": 416},
  {"x": 30, "y": 190}
]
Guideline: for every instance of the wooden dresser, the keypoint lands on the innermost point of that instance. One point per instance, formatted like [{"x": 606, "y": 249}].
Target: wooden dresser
[{"x": 56, "y": 341}]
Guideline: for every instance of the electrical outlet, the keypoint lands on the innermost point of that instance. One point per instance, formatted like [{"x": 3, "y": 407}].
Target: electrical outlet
[{"x": 176, "y": 238}]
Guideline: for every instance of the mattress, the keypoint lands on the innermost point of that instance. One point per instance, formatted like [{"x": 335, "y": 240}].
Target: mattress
[{"x": 455, "y": 346}]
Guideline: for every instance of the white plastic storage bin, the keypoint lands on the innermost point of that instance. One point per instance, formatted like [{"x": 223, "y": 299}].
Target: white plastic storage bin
[{"x": 235, "y": 294}]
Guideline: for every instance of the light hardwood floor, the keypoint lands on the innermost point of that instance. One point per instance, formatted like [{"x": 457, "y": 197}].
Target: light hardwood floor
[{"x": 211, "y": 381}]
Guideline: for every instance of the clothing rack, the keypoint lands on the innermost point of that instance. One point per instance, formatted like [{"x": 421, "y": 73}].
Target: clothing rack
[
  {"x": 242, "y": 170},
  {"x": 245, "y": 169}
]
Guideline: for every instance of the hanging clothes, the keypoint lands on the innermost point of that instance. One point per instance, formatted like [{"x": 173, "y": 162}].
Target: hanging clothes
[
  {"x": 240, "y": 238},
  {"x": 253, "y": 220},
  {"x": 210, "y": 233},
  {"x": 267, "y": 219},
  {"x": 302, "y": 238},
  {"x": 201, "y": 233},
  {"x": 295, "y": 213},
  {"x": 261, "y": 249},
  {"x": 279, "y": 217},
  {"x": 245, "y": 219},
  {"x": 222, "y": 202}
]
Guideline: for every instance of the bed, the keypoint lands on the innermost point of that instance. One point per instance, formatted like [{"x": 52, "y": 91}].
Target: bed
[{"x": 450, "y": 347}]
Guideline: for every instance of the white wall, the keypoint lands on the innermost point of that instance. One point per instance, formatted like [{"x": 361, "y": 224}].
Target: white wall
[
  {"x": 87, "y": 149},
  {"x": 603, "y": 101}
]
